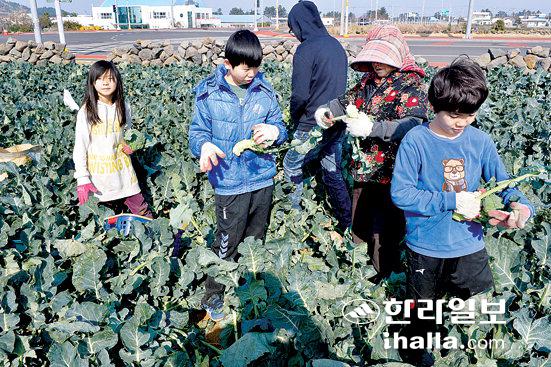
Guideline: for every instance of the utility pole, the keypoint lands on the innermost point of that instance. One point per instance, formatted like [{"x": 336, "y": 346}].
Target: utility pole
[
  {"x": 469, "y": 19},
  {"x": 277, "y": 15},
  {"x": 116, "y": 10},
  {"x": 59, "y": 22},
  {"x": 342, "y": 19},
  {"x": 128, "y": 14},
  {"x": 34, "y": 14},
  {"x": 255, "y": 15},
  {"x": 423, "y": 13},
  {"x": 370, "y": 9},
  {"x": 172, "y": 21},
  {"x": 376, "y": 10},
  {"x": 346, "y": 15}
]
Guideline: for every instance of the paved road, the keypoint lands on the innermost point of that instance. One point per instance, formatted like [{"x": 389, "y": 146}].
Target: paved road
[{"x": 433, "y": 49}]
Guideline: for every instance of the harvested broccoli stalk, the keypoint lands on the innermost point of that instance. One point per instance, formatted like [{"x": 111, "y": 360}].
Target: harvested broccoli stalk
[
  {"x": 304, "y": 147},
  {"x": 137, "y": 140},
  {"x": 490, "y": 199}
]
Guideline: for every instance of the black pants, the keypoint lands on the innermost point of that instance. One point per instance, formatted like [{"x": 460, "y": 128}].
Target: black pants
[
  {"x": 461, "y": 277},
  {"x": 432, "y": 278},
  {"x": 238, "y": 217},
  {"x": 379, "y": 223},
  {"x": 328, "y": 153}
]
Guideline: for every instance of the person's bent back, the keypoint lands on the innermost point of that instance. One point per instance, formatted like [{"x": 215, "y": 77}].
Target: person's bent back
[{"x": 319, "y": 65}]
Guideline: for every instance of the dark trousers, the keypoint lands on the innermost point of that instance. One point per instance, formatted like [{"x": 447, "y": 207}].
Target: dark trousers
[
  {"x": 379, "y": 223},
  {"x": 431, "y": 278},
  {"x": 238, "y": 217},
  {"x": 329, "y": 154},
  {"x": 135, "y": 203},
  {"x": 461, "y": 277}
]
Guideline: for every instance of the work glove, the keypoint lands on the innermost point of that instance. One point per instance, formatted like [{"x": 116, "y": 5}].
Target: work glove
[
  {"x": 516, "y": 218},
  {"x": 468, "y": 204},
  {"x": 126, "y": 149},
  {"x": 324, "y": 117},
  {"x": 209, "y": 156},
  {"x": 265, "y": 134},
  {"x": 360, "y": 126},
  {"x": 83, "y": 191}
]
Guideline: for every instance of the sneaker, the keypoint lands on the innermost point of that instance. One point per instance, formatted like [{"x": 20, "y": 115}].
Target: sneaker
[{"x": 214, "y": 307}]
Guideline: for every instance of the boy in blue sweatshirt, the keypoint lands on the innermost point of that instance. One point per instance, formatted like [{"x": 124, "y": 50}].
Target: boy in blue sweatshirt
[
  {"x": 439, "y": 167},
  {"x": 438, "y": 170},
  {"x": 233, "y": 104}
]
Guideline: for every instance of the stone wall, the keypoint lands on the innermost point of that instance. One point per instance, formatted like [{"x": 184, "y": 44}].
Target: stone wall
[
  {"x": 211, "y": 52},
  {"x": 205, "y": 52},
  {"x": 537, "y": 57},
  {"x": 37, "y": 54}
]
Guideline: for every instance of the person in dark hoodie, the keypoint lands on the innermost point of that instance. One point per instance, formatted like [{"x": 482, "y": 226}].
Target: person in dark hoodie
[{"x": 319, "y": 75}]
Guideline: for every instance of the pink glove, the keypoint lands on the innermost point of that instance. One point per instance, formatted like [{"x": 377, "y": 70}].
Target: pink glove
[
  {"x": 83, "y": 191},
  {"x": 126, "y": 149},
  {"x": 517, "y": 218}
]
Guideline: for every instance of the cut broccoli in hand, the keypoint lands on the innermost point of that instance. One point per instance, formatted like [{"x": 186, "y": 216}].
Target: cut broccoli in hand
[
  {"x": 243, "y": 145},
  {"x": 137, "y": 140}
]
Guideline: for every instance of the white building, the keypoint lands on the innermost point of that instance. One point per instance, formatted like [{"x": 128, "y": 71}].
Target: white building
[
  {"x": 538, "y": 21},
  {"x": 482, "y": 18},
  {"x": 152, "y": 14},
  {"x": 328, "y": 22},
  {"x": 84, "y": 20},
  {"x": 507, "y": 21}
]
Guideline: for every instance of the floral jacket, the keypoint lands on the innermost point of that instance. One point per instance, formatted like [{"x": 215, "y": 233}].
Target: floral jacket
[{"x": 397, "y": 105}]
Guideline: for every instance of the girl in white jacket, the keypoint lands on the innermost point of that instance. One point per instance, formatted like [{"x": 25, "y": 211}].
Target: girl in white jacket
[{"x": 101, "y": 156}]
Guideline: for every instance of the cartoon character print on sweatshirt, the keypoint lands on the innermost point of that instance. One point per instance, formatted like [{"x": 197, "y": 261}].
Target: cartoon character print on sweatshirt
[{"x": 454, "y": 175}]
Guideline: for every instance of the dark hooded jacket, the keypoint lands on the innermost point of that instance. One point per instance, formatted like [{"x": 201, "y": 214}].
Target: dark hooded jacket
[{"x": 319, "y": 65}]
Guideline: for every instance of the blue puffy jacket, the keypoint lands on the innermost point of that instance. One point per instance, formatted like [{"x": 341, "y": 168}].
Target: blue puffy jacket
[{"x": 221, "y": 119}]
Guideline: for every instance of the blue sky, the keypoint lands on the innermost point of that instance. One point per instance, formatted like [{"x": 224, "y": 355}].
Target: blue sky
[{"x": 395, "y": 7}]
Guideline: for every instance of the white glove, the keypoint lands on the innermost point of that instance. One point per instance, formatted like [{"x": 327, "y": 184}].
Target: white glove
[
  {"x": 468, "y": 204},
  {"x": 360, "y": 126},
  {"x": 209, "y": 156},
  {"x": 324, "y": 117},
  {"x": 265, "y": 134},
  {"x": 69, "y": 101}
]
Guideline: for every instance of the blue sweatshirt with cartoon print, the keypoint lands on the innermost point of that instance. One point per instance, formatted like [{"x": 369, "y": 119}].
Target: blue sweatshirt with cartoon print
[{"x": 429, "y": 170}]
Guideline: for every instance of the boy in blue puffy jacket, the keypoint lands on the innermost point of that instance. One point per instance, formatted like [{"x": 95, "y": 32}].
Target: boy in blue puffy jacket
[{"x": 233, "y": 104}]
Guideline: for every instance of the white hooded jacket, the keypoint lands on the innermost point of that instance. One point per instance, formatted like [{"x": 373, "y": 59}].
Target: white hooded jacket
[{"x": 98, "y": 154}]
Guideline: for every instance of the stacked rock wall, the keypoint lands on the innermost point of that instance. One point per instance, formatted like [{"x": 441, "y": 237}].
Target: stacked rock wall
[
  {"x": 37, "y": 54},
  {"x": 211, "y": 52},
  {"x": 537, "y": 57},
  {"x": 203, "y": 52}
]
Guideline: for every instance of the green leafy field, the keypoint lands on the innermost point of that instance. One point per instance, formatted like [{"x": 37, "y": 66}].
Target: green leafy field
[{"x": 72, "y": 294}]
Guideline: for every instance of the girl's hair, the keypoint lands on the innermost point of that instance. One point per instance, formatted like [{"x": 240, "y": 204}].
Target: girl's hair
[{"x": 91, "y": 96}]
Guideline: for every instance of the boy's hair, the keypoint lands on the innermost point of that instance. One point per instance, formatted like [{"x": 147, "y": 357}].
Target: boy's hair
[
  {"x": 243, "y": 47},
  {"x": 459, "y": 87},
  {"x": 91, "y": 95}
]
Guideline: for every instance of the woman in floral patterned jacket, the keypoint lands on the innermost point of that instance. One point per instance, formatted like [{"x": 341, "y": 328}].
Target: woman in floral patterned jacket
[{"x": 393, "y": 94}]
